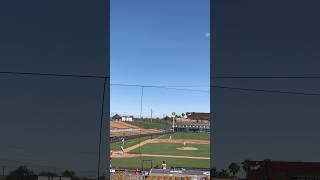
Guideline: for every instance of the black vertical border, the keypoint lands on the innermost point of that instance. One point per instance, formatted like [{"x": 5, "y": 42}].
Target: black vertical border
[{"x": 106, "y": 123}]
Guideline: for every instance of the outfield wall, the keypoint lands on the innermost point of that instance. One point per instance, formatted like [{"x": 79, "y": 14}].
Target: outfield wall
[{"x": 117, "y": 139}]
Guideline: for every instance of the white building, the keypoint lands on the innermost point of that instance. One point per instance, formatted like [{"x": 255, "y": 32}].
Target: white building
[{"x": 126, "y": 118}]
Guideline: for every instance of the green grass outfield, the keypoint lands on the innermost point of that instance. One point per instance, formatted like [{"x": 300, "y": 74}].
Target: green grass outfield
[
  {"x": 179, "y": 135},
  {"x": 170, "y": 149},
  {"x": 155, "y": 124},
  {"x": 128, "y": 143},
  {"x": 187, "y": 135},
  {"x": 166, "y": 149},
  {"x": 157, "y": 161}
]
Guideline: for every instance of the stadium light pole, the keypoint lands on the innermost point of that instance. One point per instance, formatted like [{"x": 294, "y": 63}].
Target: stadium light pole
[
  {"x": 173, "y": 118},
  {"x": 141, "y": 102},
  {"x": 151, "y": 115}
]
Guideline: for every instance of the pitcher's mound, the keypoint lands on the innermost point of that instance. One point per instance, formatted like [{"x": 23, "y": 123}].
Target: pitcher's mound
[{"x": 188, "y": 148}]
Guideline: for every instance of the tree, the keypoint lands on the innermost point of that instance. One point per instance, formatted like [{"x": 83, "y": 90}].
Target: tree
[
  {"x": 20, "y": 173},
  {"x": 116, "y": 117},
  {"x": 214, "y": 173},
  {"x": 245, "y": 165},
  {"x": 167, "y": 118},
  {"x": 234, "y": 168},
  {"x": 223, "y": 173},
  {"x": 47, "y": 174},
  {"x": 183, "y": 114},
  {"x": 70, "y": 174}
]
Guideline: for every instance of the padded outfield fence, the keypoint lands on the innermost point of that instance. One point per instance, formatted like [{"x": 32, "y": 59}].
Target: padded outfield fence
[{"x": 118, "y": 139}]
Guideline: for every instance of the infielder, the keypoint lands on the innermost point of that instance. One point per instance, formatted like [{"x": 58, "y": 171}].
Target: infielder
[
  {"x": 122, "y": 149},
  {"x": 122, "y": 141}
]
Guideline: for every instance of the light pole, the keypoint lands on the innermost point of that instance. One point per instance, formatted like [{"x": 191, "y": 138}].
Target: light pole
[
  {"x": 151, "y": 115},
  {"x": 173, "y": 119},
  {"x": 141, "y": 102}
]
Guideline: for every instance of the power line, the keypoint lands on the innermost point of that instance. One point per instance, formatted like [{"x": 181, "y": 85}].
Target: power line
[
  {"x": 265, "y": 77},
  {"x": 227, "y": 87},
  {"x": 52, "y": 74},
  {"x": 160, "y": 87},
  {"x": 266, "y": 90},
  {"x": 184, "y": 89},
  {"x": 213, "y": 77}
]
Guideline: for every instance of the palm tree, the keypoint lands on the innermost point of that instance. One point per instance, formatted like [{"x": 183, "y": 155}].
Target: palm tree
[{"x": 234, "y": 168}]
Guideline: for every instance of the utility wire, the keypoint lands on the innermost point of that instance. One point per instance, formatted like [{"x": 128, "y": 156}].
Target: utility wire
[
  {"x": 213, "y": 77},
  {"x": 265, "y": 77},
  {"x": 230, "y": 88},
  {"x": 52, "y": 74},
  {"x": 266, "y": 90},
  {"x": 160, "y": 87},
  {"x": 195, "y": 90}
]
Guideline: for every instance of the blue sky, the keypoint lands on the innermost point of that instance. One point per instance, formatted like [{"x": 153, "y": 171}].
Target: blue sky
[{"x": 160, "y": 42}]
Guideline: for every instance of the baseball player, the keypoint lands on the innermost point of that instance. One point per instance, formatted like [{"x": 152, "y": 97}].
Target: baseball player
[
  {"x": 122, "y": 141},
  {"x": 110, "y": 159},
  {"x": 164, "y": 165},
  {"x": 122, "y": 149}
]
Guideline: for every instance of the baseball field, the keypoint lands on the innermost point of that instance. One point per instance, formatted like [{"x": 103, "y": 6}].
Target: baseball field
[{"x": 190, "y": 150}]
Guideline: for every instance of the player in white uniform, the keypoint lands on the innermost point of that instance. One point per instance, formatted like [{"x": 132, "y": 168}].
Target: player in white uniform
[
  {"x": 164, "y": 165},
  {"x": 110, "y": 158},
  {"x": 122, "y": 141},
  {"x": 122, "y": 149}
]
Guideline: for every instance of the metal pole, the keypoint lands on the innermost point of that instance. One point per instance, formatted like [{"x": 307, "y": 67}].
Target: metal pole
[
  {"x": 173, "y": 122},
  {"x": 101, "y": 124},
  {"x": 141, "y": 102}
]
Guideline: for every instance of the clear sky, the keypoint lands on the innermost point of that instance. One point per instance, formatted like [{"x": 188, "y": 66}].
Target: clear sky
[{"x": 160, "y": 43}]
